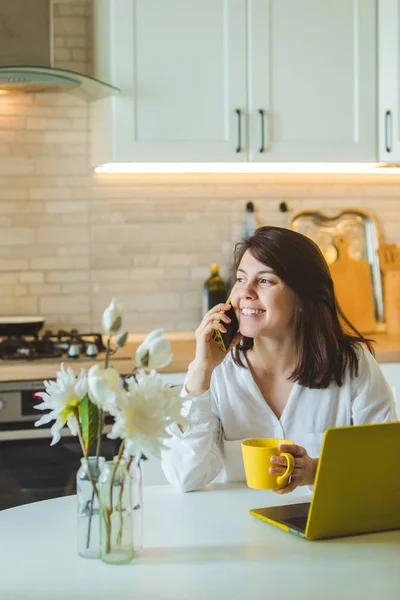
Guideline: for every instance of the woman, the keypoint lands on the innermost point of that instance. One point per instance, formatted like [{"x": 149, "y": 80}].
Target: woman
[{"x": 292, "y": 371}]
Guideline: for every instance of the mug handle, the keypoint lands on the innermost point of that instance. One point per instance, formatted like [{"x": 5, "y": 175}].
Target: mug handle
[{"x": 289, "y": 468}]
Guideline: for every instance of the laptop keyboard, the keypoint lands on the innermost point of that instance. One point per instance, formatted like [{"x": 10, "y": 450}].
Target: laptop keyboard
[
  {"x": 296, "y": 522},
  {"x": 293, "y": 515}
]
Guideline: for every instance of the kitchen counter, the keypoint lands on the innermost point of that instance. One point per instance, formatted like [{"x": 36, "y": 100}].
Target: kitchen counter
[
  {"x": 182, "y": 347},
  {"x": 387, "y": 350},
  {"x": 387, "y": 347}
]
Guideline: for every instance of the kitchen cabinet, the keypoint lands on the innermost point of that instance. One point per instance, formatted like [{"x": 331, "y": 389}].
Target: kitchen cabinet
[
  {"x": 219, "y": 80},
  {"x": 181, "y": 66},
  {"x": 312, "y": 73},
  {"x": 389, "y": 80}
]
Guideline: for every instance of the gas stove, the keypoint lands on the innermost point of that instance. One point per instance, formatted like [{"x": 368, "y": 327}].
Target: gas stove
[{"x": 71, "y": 344}]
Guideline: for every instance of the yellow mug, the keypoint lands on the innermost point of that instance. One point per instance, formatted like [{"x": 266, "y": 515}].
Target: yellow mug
[{"x": 257, "y": 463}]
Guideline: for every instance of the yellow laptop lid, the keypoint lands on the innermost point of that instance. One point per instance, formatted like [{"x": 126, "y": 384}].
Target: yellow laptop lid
[{"x": 357, "y": 485}]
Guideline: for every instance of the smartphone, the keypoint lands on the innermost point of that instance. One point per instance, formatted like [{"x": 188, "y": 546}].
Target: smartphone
[{"x": 224, "y": 340}]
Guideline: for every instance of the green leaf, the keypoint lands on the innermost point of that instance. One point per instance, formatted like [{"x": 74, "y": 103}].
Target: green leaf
[{"x": 89, "y": 415}]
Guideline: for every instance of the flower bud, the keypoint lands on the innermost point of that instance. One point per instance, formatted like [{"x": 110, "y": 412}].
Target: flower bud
[
  {"x": 113, "y": 316},
  {"x": 121, "y": 339},
  {"x": 105, "y": 387},
  {"x": 154, "y": 352}
]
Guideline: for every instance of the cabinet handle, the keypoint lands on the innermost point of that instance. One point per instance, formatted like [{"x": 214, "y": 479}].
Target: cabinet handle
[
  {"x": 261, "y": 112},
  {"x": 388, "y": 116},
  {"x": 239, "y": 123}
]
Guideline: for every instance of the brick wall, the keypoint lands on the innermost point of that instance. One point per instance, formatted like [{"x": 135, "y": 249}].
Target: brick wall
[
  {"x": 72, "y": 35},
  {"x": 70, "y": 240}
]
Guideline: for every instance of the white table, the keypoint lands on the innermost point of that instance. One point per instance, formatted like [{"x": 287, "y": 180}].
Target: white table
[{"x": 202, "y": 545}]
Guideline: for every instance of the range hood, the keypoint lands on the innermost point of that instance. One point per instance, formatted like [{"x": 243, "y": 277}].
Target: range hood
[
  {"x": 28, "y": 31},
  {"x": 30, "y": 80}
]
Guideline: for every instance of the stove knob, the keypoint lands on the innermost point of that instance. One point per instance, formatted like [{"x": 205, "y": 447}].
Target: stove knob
[
  {"x": 92, "y": 351},
  {"x": 73, "y": 351},
  {"x": 2, "y": 404}
]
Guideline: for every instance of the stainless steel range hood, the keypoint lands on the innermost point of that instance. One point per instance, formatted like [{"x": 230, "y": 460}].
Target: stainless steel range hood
[
  {"x": 28, "y": 31},
  {"x": 30, "y": 80}
]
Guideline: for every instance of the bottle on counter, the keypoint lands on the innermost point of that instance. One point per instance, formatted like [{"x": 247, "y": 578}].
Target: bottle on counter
[{"x": 214, "y": 290}]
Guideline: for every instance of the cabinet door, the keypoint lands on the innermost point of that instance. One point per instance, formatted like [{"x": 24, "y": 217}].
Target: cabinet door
[
  {"x": 389, "y": 80},
  {"x": 313, "y": 76},
  {"x": 181, "y": 66}
]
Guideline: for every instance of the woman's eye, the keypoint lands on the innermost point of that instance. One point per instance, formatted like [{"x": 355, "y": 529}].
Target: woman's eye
[
  {"x": 266, "y": 281},
  {"x": 239, "y": 279}
]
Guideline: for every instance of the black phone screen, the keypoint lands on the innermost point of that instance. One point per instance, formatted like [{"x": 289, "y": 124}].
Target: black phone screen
[{"x": 225, "y": 339}]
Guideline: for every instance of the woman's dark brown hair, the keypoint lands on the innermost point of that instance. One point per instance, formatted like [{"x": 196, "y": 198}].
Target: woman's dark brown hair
[{"x": 324, "y": 348}]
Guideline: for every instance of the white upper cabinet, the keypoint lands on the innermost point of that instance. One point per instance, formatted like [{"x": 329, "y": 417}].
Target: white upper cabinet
[
  {"x": 181, "y": 66},
  {"x": 236, "y": 80},
  {"x": 313, "y": 76},
  {"x": 389, "y": 80}
]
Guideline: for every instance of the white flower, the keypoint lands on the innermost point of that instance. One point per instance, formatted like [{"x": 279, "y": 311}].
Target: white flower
[
  {"x": 154, "y": 352},
  {"x": 105, "y": 386},
  {"x": 144, "y": 412},
  {"x": 62, "y": 397},
  {"x": 113, "y": 318}
]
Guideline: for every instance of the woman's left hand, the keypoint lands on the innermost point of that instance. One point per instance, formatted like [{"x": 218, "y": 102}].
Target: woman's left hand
[{"x": 304, "y": 470}]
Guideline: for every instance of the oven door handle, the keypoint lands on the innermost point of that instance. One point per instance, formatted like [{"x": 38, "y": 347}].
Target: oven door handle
[{"x": 12, "y": 435}]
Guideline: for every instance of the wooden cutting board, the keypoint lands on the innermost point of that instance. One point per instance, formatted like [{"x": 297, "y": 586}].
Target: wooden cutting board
[
  {"x": 353, "y": 287},
  {"x": 389, "y": 258}
]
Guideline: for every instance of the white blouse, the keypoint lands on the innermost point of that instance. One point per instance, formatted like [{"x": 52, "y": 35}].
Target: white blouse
[{"x": 233, "y": 409}]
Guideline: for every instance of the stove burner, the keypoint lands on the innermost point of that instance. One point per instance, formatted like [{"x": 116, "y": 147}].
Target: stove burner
[{"x": 50, "y": 345}]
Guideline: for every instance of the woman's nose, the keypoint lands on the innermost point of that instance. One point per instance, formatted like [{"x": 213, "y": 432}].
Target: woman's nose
[{"x": 248, "y": 291}]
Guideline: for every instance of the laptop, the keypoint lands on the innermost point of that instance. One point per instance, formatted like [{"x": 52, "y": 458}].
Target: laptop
[{"x": 356, "y": 489}]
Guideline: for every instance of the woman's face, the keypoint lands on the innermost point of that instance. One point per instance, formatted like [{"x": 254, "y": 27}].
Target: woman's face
[{"x": 264, "y": 305}]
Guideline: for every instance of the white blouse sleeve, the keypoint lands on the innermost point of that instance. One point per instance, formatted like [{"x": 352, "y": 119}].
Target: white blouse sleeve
[
  {"x": 194, "y": 458},
  {"x": 372, "y": 397}
]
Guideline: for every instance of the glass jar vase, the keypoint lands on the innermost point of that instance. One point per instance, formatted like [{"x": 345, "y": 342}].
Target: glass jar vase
[
  {"x": 88, "y": 506},
  {"x": 116, "y": 522}
]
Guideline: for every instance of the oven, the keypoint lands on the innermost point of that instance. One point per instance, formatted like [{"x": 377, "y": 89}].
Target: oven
[{"x": 31, "y": 469}]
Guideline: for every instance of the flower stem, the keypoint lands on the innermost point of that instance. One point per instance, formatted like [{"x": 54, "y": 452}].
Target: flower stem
[
  {"x": 121, "y": 519},
  {"x": 85, "y": 452},
  {"x": 108, "y": 350},
  {"x": 120, "y": 450},
  {"x": 100, "y": 429},
  {"x": 108, "y": 511}
]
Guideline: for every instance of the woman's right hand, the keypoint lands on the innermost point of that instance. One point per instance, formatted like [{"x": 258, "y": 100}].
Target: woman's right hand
[{"x": 208, "y": 353}]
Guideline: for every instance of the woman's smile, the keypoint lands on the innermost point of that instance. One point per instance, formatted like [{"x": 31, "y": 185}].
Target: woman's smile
[{"x": 251, "y": 312}]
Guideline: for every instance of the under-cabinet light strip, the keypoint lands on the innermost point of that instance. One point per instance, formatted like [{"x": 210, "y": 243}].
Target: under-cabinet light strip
[{"x": 369, "y": 168}]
